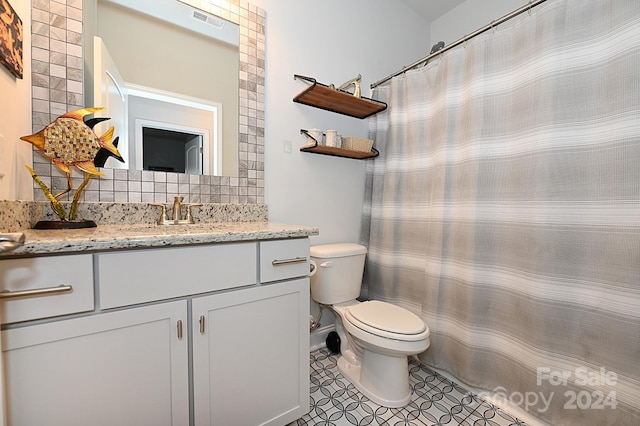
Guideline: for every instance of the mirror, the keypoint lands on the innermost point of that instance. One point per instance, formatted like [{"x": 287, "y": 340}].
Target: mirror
[
  {"x": 57, "y": 87},
  {"x": 164, "y": 66}
]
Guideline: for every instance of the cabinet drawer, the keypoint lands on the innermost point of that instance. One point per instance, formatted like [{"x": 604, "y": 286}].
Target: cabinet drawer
[
  {"x": 283, "y": 259},
  {"x": 18, "y": 275},
  {"x": 127, "y": 278}
]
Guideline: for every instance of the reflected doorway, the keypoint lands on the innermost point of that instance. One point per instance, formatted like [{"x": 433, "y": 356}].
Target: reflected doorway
[{"x": 172, "y": 151}]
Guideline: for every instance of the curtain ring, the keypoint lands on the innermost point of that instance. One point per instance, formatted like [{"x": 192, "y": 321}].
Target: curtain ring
[{"x": 530, "y": 6}]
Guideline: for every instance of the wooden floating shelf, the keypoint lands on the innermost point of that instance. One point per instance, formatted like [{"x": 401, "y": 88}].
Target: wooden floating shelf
[
  {"x": 339, "y": 152},
  {"x": 324, "y": 97},
  {"x": 315, "y": 148}
]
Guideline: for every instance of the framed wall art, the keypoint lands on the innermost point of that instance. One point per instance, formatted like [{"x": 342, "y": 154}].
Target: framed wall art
[{"x": 10, "y": 39}]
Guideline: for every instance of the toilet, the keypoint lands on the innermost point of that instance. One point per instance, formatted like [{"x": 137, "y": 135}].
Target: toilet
[{"x": 375, "y": 337}]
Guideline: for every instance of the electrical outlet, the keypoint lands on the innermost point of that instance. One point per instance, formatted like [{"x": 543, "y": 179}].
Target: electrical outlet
[{"x": 286, "y": 147}]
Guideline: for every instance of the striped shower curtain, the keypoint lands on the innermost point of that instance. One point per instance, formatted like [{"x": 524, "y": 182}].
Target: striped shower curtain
[{"x": 504, "y": 209}]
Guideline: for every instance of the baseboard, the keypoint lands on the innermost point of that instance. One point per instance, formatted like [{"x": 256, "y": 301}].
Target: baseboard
[
  {"x": 514, "y": 410},
  {"x": 318, "y": 338}
]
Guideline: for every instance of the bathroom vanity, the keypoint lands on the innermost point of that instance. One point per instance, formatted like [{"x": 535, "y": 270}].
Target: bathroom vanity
[{"x": 178, "y": 325}]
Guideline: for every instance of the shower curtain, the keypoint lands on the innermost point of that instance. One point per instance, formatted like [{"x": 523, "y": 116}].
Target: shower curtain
[{"x": 504, "y": 209}]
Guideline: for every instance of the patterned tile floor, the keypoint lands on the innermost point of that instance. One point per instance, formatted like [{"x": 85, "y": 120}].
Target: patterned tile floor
[{"x": 435, "y": 401}]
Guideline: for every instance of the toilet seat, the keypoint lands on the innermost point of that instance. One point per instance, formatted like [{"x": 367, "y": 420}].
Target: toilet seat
[{"x": 387, "y": 320}]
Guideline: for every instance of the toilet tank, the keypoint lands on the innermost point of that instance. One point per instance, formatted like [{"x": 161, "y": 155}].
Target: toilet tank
[{"x": 339, "y": 274}]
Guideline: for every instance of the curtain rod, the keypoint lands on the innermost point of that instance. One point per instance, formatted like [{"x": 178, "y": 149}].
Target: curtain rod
[{"x": 493, "y": 24}]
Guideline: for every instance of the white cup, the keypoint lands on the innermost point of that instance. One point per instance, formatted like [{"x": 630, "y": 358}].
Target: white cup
[
  {"x": 317, "y": 135},
  {"x": 334, "y": 139}
]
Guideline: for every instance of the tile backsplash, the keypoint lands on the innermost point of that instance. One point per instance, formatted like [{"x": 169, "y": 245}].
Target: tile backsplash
[
  {"x": 16, "y": 216},
  {"x": 57, "y": 87}
]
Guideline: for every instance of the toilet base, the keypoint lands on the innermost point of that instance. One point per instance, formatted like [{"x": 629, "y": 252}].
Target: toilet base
[{"x": 381, "y": 378}]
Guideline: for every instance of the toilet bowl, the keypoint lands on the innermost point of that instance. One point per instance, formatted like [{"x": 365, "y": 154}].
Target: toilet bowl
[
  {"x": 375, "y": 337},
  {"x": 375, "y": 357}
]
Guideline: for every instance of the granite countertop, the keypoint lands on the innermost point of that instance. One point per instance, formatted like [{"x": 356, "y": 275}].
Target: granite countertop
[{"x": 114, "y": 237}]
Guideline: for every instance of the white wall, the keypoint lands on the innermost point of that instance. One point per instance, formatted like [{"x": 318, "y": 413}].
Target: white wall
[
  {"x": 332, "y": 41},
  {"x": 15, "y": 119},
  {"x": 470, "y": 16}
]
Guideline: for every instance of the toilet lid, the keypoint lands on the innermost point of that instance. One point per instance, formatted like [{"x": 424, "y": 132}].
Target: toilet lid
[{"x": 386, "y": 318}]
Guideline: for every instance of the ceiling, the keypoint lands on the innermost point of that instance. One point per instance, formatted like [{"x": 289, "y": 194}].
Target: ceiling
[{"x": 432, "y": 9}]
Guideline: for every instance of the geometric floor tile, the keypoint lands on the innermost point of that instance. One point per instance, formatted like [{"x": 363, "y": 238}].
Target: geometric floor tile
[{"x": 435, "y": 400}]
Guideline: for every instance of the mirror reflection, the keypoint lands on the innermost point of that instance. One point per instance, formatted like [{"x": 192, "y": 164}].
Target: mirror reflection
[{"x": 168, "y": 77}]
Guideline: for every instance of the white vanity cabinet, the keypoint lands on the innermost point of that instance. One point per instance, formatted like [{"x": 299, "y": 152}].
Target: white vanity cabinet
[
  {"x": 179, "y": 336},
  {"x": 119, "y": 368},
  {"x": 251, "y": 346},
  {"x": 251, "y": 356}
]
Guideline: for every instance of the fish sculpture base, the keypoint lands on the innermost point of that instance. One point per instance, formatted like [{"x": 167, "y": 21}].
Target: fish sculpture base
[{"x": 63, "y": 224}]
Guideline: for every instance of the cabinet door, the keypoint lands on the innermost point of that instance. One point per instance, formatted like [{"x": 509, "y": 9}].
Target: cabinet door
[
  {"x": 121, "y": 368},
  {"x": 251, "y": 355}
]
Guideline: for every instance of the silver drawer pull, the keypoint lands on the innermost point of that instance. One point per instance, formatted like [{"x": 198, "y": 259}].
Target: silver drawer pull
[
  {"x": 47, "y": 291},
  {"x": 277, "y": 262}
]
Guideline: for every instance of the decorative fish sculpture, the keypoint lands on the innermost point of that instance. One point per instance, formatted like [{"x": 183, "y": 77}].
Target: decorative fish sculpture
[
  {"x": 103, "y": 155},
  {"x": 69, "y": 141}
]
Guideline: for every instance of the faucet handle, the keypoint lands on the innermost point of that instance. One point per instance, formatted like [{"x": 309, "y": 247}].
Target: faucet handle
[
  {"x": 189, "y": 216},
  {"x": 163, "y": 213}
]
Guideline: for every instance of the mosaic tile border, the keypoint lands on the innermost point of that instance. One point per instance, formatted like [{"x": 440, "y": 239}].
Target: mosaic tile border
[{"x": 57, "y": 87}]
